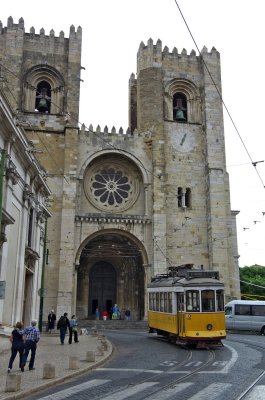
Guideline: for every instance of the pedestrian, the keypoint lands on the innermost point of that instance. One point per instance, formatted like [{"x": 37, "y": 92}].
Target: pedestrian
[
  {"x": 73, "y": 330},
  {"x": 115, "y": 311},
  {"x": 17, "y": 340},
  {"x": 97, "y": 314},
  {"x": 127, "y": 314},
  {"x": 105, "y": 315},
  {"x": 51, "y": 321},
  {"x": 63, "y": 324},
  {"x": 32, "y": 337}
]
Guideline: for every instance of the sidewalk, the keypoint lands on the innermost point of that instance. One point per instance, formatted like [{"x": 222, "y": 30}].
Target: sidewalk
[{"x": 50, "y": 351}]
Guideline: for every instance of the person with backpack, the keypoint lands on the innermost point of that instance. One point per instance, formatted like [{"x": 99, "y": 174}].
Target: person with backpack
[{"x": 63, "y": 324}]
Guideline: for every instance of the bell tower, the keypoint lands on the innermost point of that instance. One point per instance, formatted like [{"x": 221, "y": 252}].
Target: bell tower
[
  {"x": 41, "y": 78},
  {"x": 175, "y": 101}
]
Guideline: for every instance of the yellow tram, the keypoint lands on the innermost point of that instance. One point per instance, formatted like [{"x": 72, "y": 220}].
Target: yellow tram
[{"x": 187, "y": 306}]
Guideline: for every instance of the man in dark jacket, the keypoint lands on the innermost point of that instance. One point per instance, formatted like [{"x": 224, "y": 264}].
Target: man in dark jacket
[{"x": 63, "y": 324}]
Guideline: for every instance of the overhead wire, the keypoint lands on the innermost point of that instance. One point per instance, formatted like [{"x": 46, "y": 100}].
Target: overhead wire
[{"x": 219, "y": 94}]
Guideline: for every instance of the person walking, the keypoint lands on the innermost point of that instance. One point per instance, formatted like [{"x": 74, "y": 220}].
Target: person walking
[
  {"x": 32, "y": 337},
  {"x": 73, "y": 330},
  {"x": 51, "y": 321},
  {"x": 17, "y": 340},
  {"x": 63, "y": 324},
  {"x": 127, "y": 314}
]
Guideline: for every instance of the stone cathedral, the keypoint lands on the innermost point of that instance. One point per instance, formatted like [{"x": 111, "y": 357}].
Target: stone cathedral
[{"x": 125, "y": 204}]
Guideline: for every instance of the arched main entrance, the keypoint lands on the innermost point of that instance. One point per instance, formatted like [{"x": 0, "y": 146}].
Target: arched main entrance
[
  {"x": 111, "y": 271},
  {"x": 102, "y": 287}
]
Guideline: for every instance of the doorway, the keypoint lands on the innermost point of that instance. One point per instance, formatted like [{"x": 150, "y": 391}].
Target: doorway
[{"x": 102, "y": 288}]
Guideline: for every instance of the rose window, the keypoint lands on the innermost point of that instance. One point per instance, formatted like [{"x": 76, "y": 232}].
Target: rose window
[{"x": 112, "y": 185}]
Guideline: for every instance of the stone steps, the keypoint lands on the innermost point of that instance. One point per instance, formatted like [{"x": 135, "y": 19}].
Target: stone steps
[{"x": 113, "y": 324}]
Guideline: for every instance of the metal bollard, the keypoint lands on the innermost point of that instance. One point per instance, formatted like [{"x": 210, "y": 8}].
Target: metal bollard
[
  {"x": 73, "y": 362},
  {"x": 48, "y": 371},
  {"x": 13, "y": 382},
  {"x": 90, "y": 356}
]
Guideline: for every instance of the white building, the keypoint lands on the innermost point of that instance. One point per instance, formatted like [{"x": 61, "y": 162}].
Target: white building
[{"x": 23, "y": 193}]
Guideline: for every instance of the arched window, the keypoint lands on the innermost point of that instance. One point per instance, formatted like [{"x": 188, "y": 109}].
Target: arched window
[
  {"x": 43, "y": 90},
  {"x": 182, "y": 102},
  {"x": 180, "y": 107},
  {"x": 43, "y": 97}
]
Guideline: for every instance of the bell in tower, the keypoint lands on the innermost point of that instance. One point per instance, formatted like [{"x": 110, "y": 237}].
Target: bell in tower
[
  {"x": 43, "y": 100},
  {"x": 180, "y": 107}
]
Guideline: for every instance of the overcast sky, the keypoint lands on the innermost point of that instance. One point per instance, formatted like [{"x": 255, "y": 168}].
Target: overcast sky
[{"x": 112, "y": 33}]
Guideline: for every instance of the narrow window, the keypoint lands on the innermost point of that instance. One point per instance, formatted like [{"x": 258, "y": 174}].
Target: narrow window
[
  {"x": 179, "y": 107},
  {"x": 43, "y": 97},
  {"x": 170, "y": 302},
  {"x": 220, "y": 300},
  {"x": 188, "y": 198},
  {"x": 30, "y": 229},
  {"x": 180, "y": 197}
]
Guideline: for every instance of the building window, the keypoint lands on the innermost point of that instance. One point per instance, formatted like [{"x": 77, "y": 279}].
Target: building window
[
  {"x": 30, "y": 228},
  {"x": 179, "y": 107},
  {"x": 43, "y": 97},
  {"x": 184, "y": 197}
]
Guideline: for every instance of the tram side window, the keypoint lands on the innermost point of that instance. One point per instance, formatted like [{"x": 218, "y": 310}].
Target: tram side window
[
  {"x": 161, "y": 302},
  {"x": 151, "y": 301},
  {"x": 166, "y": 302},
  {"x": 208, "y": 301},
  {"x": 170, "y": 302},
  {"x": 157, "y": 302},
  {"x": 220, "y": 300},
  {"x": 258, "y": 310},
  {"x": 192, "y": 300},
  {"x": 242, "y": 309}
]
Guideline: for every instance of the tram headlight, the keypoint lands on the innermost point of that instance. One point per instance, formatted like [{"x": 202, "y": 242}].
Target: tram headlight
[{"x": 209, "y": 327}]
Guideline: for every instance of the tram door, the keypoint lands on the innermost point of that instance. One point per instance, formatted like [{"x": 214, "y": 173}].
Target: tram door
[
  {"x": 102, "y": 287},
  {"x": 181, "y": 315}
]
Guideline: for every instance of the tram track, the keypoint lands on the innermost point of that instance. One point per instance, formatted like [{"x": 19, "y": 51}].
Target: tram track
[{"x": 185, "y": 376}]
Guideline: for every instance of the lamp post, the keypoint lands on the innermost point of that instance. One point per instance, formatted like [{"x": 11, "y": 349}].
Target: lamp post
[{"x": 42, "y": 276}]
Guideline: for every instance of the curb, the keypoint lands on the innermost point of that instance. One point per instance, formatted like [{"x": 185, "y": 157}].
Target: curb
[{"x": 56, "y": 381}]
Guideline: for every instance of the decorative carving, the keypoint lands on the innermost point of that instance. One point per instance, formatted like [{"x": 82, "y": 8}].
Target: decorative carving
[
  {"x": 11, "y": 173},
  {"x": 27, "y": 194},
  {"x": 30, "y": 257}
]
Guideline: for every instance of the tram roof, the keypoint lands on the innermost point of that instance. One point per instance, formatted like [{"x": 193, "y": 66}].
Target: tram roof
[
  {"x": 188, "y": 277},
  {"x": 174, "y": 282}
]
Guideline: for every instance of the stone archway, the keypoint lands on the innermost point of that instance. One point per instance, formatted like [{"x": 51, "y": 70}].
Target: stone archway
[{"x": 111, "y": 271}]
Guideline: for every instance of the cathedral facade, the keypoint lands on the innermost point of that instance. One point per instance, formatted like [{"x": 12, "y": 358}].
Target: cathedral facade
[{"x": 125, "y": 204}]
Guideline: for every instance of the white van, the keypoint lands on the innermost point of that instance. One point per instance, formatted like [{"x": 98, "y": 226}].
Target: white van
[{"x": 245, "y": 315}]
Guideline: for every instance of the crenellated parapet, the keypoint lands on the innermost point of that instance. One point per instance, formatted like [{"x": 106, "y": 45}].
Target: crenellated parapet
[
  {"x": 48, "y": 43},
  {"x": 121, "y": 133},
  {"x": 152, "y": 55}
]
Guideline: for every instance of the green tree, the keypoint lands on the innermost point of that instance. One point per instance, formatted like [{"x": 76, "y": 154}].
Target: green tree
[{"x": 252, "y": 282}]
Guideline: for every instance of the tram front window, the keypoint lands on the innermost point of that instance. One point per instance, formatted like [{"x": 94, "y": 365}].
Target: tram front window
[
  {"x": 220, "y": 300},
  {"x": 192, "y": 300},
  {"x": 208, "y": 301}
]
